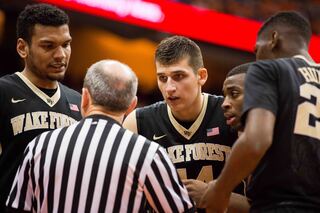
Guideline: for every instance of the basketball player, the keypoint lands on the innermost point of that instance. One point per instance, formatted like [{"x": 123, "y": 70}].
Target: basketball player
[
  {"x": 33, "y": 101},
  {"x": 233, "y": 91},
  {"x": 281, "y": 140},
  {"x": 188, "y": 123}
]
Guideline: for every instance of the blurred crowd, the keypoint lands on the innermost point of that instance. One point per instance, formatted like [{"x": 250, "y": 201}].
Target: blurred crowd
[{"x": 260, "y": 10}]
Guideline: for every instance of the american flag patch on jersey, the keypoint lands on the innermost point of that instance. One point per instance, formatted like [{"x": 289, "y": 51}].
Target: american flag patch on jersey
[
  {"x": 213, "y": 131},
  {"x": 74, "y": 107}
]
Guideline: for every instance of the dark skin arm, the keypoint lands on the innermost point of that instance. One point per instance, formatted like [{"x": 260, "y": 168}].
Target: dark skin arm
[
  {"x": 238, "y": 203},
  {"x": 246, "y": 153}
]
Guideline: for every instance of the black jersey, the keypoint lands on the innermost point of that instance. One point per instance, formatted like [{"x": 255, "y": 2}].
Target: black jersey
[
  {"x": 198, "y": 152},
  {"x": 289, "y": 173},
  {"x": 96, "y": 166},
  {"x": 25, "y": 112}
]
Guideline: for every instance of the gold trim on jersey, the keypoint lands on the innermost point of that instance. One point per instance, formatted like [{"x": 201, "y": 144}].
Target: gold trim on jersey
[
  {"x": 188, "y": 133},
  {"x": 306, "y": 60},
  {"x": 51, "y": 101}
]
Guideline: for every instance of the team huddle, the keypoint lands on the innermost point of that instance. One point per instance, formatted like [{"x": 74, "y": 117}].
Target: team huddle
[{"x": 254, "y": 150}]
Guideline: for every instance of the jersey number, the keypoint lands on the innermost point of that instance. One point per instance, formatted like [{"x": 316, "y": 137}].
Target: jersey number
[
  {"x": 204, "y": 175},
  {"x": 306, "y": 110}
]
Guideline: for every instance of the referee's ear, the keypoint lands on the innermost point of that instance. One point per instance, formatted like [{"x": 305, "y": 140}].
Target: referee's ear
[
  {"x": 85, "y": 101},
  {"x": 132, "y": 106}
]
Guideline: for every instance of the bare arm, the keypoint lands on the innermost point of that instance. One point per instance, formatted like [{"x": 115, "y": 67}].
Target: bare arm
[
  {"x": 130, "y": 122},
  {"x": 250, "y": 147},
  {"x": 237, "y": 204}
]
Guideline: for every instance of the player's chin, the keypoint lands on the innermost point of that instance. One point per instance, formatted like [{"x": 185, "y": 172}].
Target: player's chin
[
  {"x": 234, "y": 122},
  {"x": 174, "y": 104},
  {"x": 237, "y": 126},
  {"x": 179, "y": 108},
  {"x": 57, "y": 76}
]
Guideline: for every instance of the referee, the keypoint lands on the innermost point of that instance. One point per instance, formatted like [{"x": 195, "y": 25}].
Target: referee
[{"x": 96, "y": 165}]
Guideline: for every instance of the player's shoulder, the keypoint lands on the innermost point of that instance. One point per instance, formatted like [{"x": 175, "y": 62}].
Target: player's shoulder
[
  {"x": 9, "y": 79},
  {"x": 267, "y": 69},
  {"x": 267, "y": 63},
  {"x": 68, "y": 90},
  {"x": 213, "y": 99},
  {"x": 273, "y": 68},
  {"x": 152, "y": 108},
  {"x": 276, "y": 63},
  {"x": 72, "y": 95}
]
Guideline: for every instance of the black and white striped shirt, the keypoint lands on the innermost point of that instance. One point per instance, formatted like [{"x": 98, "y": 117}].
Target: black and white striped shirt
[{"x": 96, "y": 166}]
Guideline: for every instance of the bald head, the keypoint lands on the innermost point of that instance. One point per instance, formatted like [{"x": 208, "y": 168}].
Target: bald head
[{"x": 111, "y": 84}]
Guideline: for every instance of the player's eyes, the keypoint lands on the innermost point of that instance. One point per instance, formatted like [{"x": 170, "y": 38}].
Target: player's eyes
[
  {"x": 235, "y": 94},
  {"x": 66, "y": 45},
  {"x": 47, "y": 46},
  {"x": 162, "y": 78},
  {"x": 178, "y": 77}
]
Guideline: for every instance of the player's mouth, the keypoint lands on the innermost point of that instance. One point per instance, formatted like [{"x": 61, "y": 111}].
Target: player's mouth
[
  {"x": 230, "y": 119},
  {"x": 172, "y": 99},
  {"x": 58, "y": 66}
]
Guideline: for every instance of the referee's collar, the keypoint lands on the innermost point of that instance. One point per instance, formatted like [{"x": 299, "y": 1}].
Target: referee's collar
[{"x": 104, "y": 117}]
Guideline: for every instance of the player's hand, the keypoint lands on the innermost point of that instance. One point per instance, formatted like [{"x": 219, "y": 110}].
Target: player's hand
[
  {"x": 195, "y": 189},
  {"x": 214, "y": 200}
]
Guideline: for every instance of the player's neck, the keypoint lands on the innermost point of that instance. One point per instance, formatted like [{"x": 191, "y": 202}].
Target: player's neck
[
  {"x": 307, "y": 56},
  {"x": 292, "y": 51},
  {"x": 39, "y": 82},
  {"x": 191, "y": 113}
]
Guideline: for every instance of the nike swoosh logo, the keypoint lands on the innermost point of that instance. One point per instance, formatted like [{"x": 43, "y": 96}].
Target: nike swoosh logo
[
  {"x": 158, "y": 137},
  {"x": 14, "y": 101}
]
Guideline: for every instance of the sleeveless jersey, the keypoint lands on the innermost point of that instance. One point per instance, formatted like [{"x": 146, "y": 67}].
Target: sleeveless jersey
[
  {"x": 289, "y": 172},
  {"x": 25, "y": 112}
]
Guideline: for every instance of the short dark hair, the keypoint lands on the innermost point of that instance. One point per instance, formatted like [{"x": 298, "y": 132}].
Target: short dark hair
[
  {"x": 242, "y": 68},
  {"x": 291, "y": 19},
  {"x": 171, "y": 50},
  {"x": 43, "y": 14}
]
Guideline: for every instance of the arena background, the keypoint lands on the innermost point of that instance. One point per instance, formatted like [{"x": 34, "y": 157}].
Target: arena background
[{"x": 129, "y": 30}]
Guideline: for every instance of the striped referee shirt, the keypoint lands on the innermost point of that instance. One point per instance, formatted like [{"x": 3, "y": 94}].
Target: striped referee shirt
[{"x": 96, "y": 165}]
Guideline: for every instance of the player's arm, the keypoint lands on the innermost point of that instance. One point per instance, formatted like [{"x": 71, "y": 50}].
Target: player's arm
[
  {"x": 163, "y": 188},
  {"x": 245, "y": 155},
  {"x": 237, "y": 204},
  {"x": 130, "y": 122}
]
